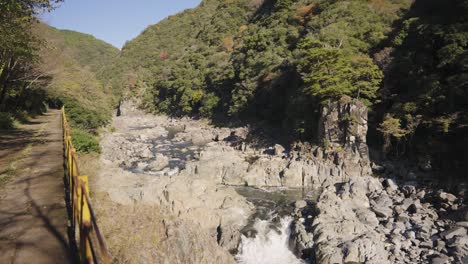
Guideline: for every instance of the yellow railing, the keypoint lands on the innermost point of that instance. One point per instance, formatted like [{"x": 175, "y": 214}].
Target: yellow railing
[{"x": 82, "y": 217}]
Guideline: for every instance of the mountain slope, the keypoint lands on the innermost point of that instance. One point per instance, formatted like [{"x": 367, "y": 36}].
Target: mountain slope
[
  {"x": 76, "y": 63},
  {"x": 245, "y": 58}
]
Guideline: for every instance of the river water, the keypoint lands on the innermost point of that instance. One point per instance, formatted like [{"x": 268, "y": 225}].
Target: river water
[{"x": 265, "y": 240}]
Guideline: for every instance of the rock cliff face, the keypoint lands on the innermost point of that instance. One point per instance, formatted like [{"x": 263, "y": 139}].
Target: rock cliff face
[{"x": 343, "y": 125}]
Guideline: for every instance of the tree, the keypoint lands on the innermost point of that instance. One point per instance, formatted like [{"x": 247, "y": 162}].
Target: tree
[
  {"x": 326, "y": 73},
  {"x": 18, "y": 45},
  {"x": 329, "y": 74},
  {"x": 365, "y": 77},
  {"x": 391, "y": 128}
]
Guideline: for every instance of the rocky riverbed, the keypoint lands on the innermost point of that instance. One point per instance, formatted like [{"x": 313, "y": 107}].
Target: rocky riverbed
[{"x": 341, "y": 214}]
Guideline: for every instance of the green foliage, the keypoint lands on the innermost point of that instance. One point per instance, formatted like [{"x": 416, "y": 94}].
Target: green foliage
[
  {"x": 366, "y": 78},
  {"x": 427, "y": 81},
  {"x": 19, "y": 48},
  {"x": 78, "y": 66},
  {"x": 325, "y": 71},
  {"x": 39, "y": 63},
  {"x": 392, "y": 126},
  {"x": 209, "y": 103},
  {"x": 272, "y": 60},
  {"x": 329, "y": 74},
  {"x": 85, "y": 142},
  {"x": 355, "y": 26},
  {"x": 82, "y": 117},
  {"x": 6, "y": 121}
]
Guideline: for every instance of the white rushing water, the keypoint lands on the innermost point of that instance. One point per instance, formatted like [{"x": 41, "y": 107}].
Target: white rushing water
[{"x": 268, "y": 246}]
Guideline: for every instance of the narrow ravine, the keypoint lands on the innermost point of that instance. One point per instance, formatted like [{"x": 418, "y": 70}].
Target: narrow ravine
[
  {"x": 159, "y": 161},
  {"x": 219, "y": 199}
]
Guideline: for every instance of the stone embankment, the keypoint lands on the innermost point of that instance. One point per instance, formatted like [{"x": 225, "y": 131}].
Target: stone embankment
[{"x": 187, "y": 167}]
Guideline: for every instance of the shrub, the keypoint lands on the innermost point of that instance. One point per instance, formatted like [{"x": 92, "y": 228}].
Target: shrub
[
  {"x": 6, "y": 121},
  {"x": 85, "y": 142},
  {"x": 21, "y": 116},
  {"x": 81, "y": 116}
]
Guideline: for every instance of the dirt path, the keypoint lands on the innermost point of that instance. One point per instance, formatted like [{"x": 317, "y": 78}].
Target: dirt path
[{"x": 33, "y": 216}]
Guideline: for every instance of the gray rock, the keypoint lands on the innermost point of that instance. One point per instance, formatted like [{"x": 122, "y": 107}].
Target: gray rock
[
  {"x": 411, "y": 235},
  {"x": 398, "y": 209},
  {"x": 377, "y": 168},
  {"x": 300, "y": 204},
  {"x": 382, "y": 211},
  {"x": 426, "y": 244},
  {"x": 408, "y": 190},
  {"x": 348, "y": 232},
  {"x": 421, "y": 194},
  {"x": 441, "y": 259},
  {"x": 457, "y": 231},
  {"x": 299, "y": 238},
  {"x": 446, "y": 197},
  {"x": 390, "y": 184},
  {"x": 146, "y": 153},
  {"x": 229, "y": 237},
  {"x": 460, "y": 248},
  {"x": 383, "y": 200},
  {"x": 159, "y": 163},
  {"x": 465, "y": 215},
  {"x": 439, "y": 245},
  {"x": 406, "y": 203},
  {"x": 425, "y": 165},
  {"x": 278, "y": 150},
  {"x": 403, "y": 217}
]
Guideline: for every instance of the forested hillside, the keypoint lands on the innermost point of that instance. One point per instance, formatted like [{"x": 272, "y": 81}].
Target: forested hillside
[
  {"x": 76, "y": 64},
  {"x": 424, "y": 96},
  {"x": 41, "y": 66},
  {"x": 273, "y": 60},
  {"x": 280, "y": 60}
]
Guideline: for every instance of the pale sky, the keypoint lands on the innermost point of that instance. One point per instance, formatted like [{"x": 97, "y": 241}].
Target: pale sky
[{"x": 114, "y": 21}]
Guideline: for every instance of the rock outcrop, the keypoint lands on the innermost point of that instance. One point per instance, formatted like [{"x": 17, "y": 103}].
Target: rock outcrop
[
  {"x": 347, "y": 233},
  {"x": 186, "y": 167},
  {"x": 367, "y": 220},
  {"x": 343, "y": 126}
]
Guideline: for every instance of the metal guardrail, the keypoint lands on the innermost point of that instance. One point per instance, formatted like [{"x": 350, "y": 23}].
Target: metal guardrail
[{"x": 83, "y": 220}]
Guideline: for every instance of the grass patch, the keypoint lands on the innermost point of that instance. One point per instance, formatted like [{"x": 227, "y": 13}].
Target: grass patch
[
  {"x": 89, "y": 165},
  {"x": 133, "y": 233}
]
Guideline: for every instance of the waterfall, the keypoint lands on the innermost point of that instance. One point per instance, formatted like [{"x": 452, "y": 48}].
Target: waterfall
[{"x": 268, "y": 246}]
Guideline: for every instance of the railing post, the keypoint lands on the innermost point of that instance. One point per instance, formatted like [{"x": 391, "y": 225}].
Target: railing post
[
  {"x": 82, "y": 215},
  {"x": 85, "y": 220},
  {"x": 72, "y": 184}
]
